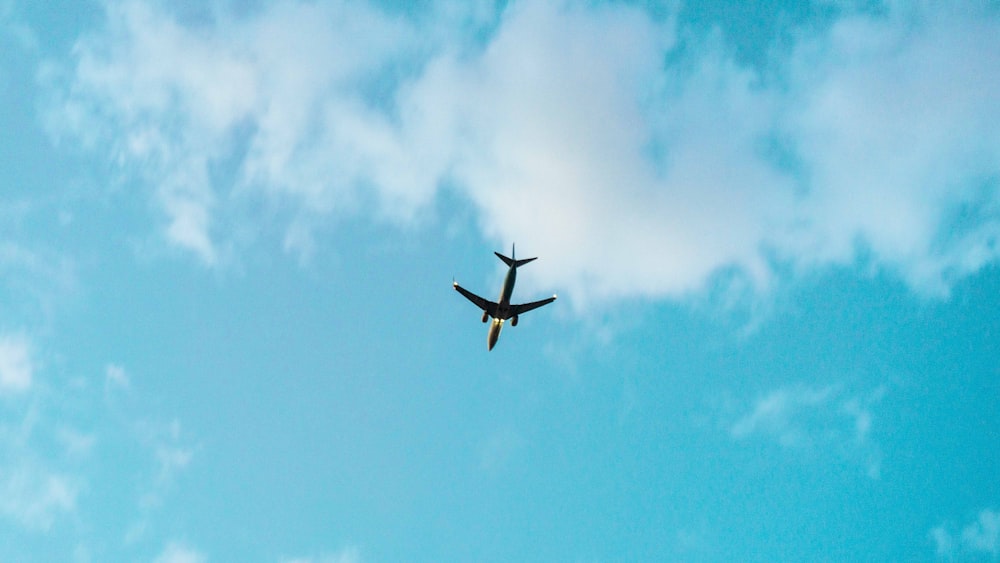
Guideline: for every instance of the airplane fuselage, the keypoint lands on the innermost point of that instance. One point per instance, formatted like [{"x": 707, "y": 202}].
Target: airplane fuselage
[
  {"x": 503, "y": 307},
  {"x": 507, "y": 290}
]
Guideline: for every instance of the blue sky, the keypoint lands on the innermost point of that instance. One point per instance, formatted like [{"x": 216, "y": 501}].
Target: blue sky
[{"x": 228, "y": 232}]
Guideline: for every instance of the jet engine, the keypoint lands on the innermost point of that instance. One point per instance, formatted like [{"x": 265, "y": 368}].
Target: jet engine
[
  {"x": 486, "y": 316},
  {"x": 513, "y": 321}
]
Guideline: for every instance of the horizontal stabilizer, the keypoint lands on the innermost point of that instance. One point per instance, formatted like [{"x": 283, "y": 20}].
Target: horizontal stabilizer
[{"x": 517, "y": 263}]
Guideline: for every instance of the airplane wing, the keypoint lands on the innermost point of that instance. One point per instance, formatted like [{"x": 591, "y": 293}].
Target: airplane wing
[
  {"x": 484, "y": 304},
  {"x": 524, "y": 308}
]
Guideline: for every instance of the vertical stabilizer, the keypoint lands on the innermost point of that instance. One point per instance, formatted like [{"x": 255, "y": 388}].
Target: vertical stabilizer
[{"x": 512, "y": 261}]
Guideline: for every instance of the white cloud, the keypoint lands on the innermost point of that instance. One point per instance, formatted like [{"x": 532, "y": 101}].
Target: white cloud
[
  {"x": 54, "y": 440},
  {"x": 170, "y": 99},
  {"x": 943, "y": 542},
  {"x": 189, "y": 211},
  {"x": 34, "y": 496},
  {"x": 115, "y": 377},
  {"x": 891, "y": 121},
  {"x": 815, "y": 419},
  {"x": 170, "y": 455},
  {"x": 172, "y": 459},
  {"x": 776, "y": 414},
  {"x": 38, "y": 482},
  {"x": 869, "y": 139},
  {"x": 176, "y": 552},
  {"x": 981, "y": 536},
  {"x": 16, "y": 365}
]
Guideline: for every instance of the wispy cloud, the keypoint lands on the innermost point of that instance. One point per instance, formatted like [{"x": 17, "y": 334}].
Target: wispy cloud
[
  {"x": 170, "y": 456},
  {"x": 815, "y": 419},
  {"x": 33, "y": 495},
  {"x": 889, "y": 124},
  {"x": 16, "y": 365},
  {"x": 944, "y": 544},
  {"x": 171, "y": 101},
  {"x": 775, "y": 414},
  {"x": 35, "y": 279},
  {"x": 55, "y": 436},
  {"x": 867, "y": 139},
  {"x": 115, "y": 377},
  {"x": 13, "y": 29},
  {"x": 176, "y": 552},
  {"x": 981, "y": 536},
  {"x": 38, "y": 485}
]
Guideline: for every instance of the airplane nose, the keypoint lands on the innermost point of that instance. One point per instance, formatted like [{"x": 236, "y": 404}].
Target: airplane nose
[{"x": 494, "y": 334}]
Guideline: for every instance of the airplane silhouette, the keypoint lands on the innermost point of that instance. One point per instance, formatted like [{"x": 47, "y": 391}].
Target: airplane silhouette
[{"x": 502, "y": 309}]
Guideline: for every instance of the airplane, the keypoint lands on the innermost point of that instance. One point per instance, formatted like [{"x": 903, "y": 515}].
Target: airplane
[{"x": 502, "y": 310}]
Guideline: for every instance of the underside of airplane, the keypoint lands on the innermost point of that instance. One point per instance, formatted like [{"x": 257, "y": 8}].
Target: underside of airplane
[{"x": 502, "y": 309}]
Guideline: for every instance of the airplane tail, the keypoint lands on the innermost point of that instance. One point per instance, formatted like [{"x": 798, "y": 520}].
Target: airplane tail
[{"x": 513, "y": 261}]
